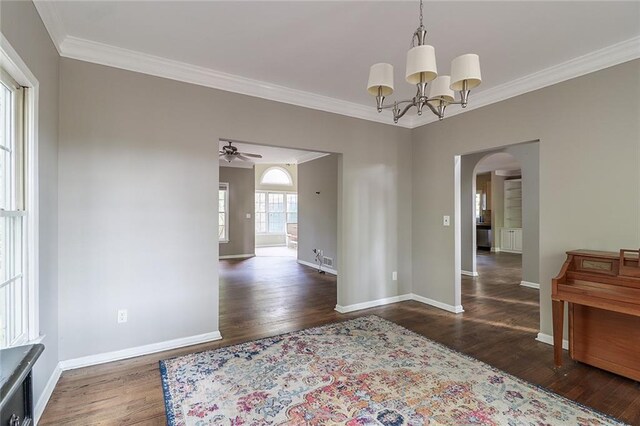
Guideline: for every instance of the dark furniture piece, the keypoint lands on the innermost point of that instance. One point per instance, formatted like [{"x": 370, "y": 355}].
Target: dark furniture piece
[
  {"x": 603, "y": 293},
  {"x": 16, "y": 390}
]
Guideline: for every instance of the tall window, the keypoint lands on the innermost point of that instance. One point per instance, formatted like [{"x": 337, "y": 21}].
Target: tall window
[
  {"x": 223, "y": 213},
  {"x": 14, "y": 296},
  {"x": 274, "y": 210},
  {"x": 292, "y": 208}
]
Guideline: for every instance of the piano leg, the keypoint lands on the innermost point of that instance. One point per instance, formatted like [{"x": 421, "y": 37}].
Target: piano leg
[{"x": 558, "y": 329}]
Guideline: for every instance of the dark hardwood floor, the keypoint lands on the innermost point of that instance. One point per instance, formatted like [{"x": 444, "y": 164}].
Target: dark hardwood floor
[{"x": 264, "y": 296}]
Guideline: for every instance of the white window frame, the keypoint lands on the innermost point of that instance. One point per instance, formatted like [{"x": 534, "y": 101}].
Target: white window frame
[
  {"x": 15, "y": 66},
  {"x": 224, "y": 186},
  {"x": 286, "y": 172},
  {"x": 267, "y": 192}
]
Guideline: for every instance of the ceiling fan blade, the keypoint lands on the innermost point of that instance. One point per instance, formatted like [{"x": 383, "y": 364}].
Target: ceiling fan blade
[
  {"x": 250, "y": 155},
  {"x": 242, "y": 157},
  {"x": 222, "y": 154}
]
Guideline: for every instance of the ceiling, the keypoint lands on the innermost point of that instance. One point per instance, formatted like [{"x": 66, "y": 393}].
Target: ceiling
[
  {"x": 500, "y": 161},
  {"x": 307, "y": 48},
  {"x": 270, "y": 155}
]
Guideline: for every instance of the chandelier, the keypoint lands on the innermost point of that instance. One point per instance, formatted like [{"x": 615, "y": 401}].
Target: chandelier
[{"x": 421, "y": 70}]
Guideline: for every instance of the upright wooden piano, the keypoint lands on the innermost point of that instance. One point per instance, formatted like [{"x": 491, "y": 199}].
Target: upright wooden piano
[{"x": 603, "y": 294}]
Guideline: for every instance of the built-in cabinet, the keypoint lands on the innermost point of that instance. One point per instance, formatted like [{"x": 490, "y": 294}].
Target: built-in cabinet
[
  {"x": 513, "y": 203},
  {"x": 511, "y": 240},
  {"x": 511, "y": 234}
]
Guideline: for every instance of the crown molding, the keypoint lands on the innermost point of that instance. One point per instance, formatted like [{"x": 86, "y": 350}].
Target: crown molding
[
  {"x": 310, "y": 156},
  {"x": 103, "y": 54},
  {"x": 52, "y": 21},
  {"x": 615, "y": 54}
]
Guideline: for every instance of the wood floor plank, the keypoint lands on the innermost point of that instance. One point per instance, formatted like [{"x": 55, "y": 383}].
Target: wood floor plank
[{"x": 261, "y": 297}]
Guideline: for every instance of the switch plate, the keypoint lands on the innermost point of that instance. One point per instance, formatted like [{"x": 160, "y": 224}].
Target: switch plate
[
  {"x": 248, "y": 215},
  {"x": 446, "y": 220},
  {"x": 394, "y": 276},
  {"x": 122, "y": 315}
]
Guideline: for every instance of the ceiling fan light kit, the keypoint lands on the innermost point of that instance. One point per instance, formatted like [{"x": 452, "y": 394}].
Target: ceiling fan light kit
[
  {"x": 230, "y": 153},
  {"x": 421, "y": 70}
]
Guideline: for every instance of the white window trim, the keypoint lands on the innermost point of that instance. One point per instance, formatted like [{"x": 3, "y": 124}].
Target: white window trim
[
  {"x": 225, "y": 240},
  {"x": 284, "y": 185},
  {"x": 15, "y": 66},
  {"x": 266, "y": 191}
]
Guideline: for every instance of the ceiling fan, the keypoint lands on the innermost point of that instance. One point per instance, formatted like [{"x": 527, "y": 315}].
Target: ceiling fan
[{"x": 230, "y": 152}]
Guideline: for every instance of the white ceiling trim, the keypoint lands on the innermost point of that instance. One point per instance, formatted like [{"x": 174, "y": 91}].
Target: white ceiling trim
[
  {"x": 310, "y": 157},
  {"x": 103, "y": 54},
  {"x": 600, "y": 59}
]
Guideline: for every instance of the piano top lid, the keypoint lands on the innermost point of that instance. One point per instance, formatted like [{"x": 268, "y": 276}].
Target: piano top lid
[{"x": 601, "y": 254}]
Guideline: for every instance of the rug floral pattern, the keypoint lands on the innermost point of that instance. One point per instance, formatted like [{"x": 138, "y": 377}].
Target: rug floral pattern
[{"x": 366, "y": 371}]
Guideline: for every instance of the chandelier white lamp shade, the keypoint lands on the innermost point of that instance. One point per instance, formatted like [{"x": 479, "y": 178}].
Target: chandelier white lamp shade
[
  {"x": 422, "y": 71},
  {"x": 421, "y": 64}
]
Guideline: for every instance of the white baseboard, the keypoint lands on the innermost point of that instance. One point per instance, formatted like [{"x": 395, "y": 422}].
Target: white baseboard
[
  {"x": 548, "y": 339},
  {"x": 469, "y": 273},
  {"x": 449, "y": 308},
  {"x": 395, "y": 299},
  {"x": 102, "y": 358},
  {"x": 315, "y": 266},
  {"x": 495, "y": 249},
  {"x": 530, "y": 284},
  {"x": 372, "y": 303},
  {"x": 511, "y": 251},
  {"x": 46, "y": 393},
  {"x": 237, "y": 256}
]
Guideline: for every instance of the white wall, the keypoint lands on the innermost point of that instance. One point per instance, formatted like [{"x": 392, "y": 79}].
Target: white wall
[
  {"x": 22, "y": 27},
  {"x": 589, "y": 173},
  {"x": 138, "y": 165}
]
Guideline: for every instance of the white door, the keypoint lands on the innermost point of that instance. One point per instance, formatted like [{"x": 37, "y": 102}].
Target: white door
[
  {"x": 517, "y": 239},
  {"x": 505, "y": 239}
]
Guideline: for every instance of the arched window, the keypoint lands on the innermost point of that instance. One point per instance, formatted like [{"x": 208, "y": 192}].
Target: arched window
[{"x": 276, "y": 176}]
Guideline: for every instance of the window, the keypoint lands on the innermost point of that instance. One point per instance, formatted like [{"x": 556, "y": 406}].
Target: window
[
  {"x": 223, "y": 213},
  {"x": 276, "y": 176},
  {"x": 274, "y": 210},
  {"x": 14, "y": 297},
  {"x": 292, "y": 208},
  {"x": 261, "y": 212}
]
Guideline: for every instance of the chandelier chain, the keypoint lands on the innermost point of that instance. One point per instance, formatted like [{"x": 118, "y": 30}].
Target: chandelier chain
[{"x": 421, "y": 14}]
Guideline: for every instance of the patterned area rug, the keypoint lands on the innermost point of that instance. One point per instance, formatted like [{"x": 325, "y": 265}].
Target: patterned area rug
[{"x": 367, "y": 371}]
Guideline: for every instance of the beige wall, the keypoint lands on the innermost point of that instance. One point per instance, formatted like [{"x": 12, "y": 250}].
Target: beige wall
[
  {"x": 589, "y": 173},
  {"x": 20, "y": 24},
  {"x": 138, "y": 164},
  {"x": 318, "y": 213},
  {"x": 241, "y": 202}
]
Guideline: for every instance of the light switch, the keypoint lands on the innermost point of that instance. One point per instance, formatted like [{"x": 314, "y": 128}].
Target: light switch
[
  {"x": 248, "y": 215},
  {"x": 446, "y": 220},
  {"x": 394, "y": 276}
]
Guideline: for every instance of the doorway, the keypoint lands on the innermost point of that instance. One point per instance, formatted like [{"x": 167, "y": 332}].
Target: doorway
[{"x": 497, "y": 192}]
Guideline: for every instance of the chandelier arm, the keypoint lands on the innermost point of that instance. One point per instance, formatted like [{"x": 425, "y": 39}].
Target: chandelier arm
[
  {"x": 388, "y": 106},
  {"x": 404, "y": 111},
  {"x": 433, "y": 109}
]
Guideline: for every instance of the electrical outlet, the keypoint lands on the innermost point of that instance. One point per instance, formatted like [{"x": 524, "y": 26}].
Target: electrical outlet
[
  {"x": 394, "y": 276},
  {"x": 122, "y": 315},
  {"x": 446, "y": 220}
]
